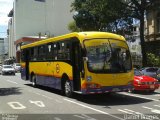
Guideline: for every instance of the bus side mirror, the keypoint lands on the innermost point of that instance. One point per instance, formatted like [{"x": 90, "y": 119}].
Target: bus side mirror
[
  {"x": 85, "y": 58},
  {"x": 82, "y": 74}
]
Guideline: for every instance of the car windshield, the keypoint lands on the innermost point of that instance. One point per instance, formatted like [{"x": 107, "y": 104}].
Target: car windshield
[
  {"x": 137, "y": 73},
  {"x": 17, "y": 64},
  {"x": 151, "y": 70},
  {"x": 7, "y": 66}
]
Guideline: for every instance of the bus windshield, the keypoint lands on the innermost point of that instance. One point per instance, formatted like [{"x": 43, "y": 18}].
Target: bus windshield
[{"x": 106, "y": 55}]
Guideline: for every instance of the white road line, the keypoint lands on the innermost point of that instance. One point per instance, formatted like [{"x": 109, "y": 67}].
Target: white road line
[
  {"x": 58, "y": 101},
  {"x": 157, "y": 95},
  {"x": 79, "y": 116},
  {"x": 124, "y": 111},
  {"x": 133, "y": 111},
  {"x": 147, "y": 107},
  {"x": 140, "y": 97},
  {"x": 152, "y": 109},
  {"x": 157, "y": 105},
  {"x": 12, "y": 81},
  {"x": 85, "y": 106},
  {"x": 86, "y": 117}
]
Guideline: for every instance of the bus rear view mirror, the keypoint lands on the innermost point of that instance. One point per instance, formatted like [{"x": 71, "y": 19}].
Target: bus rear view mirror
[{"x": 85, "y": 58}]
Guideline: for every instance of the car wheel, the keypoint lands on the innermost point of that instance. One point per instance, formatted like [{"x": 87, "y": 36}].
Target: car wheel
[
  {"x": 68, "y": 89},
  {"x": 33, "y": 80},
  {"x": 151, "y": 91}
]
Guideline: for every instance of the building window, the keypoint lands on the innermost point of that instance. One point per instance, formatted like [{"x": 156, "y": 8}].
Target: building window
[
  {"x": 40, "y": 0},
  {"x": 158, "y": 22}
]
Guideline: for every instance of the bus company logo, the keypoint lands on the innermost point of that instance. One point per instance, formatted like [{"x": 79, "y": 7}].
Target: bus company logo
[{"x": 57, "y": 68}]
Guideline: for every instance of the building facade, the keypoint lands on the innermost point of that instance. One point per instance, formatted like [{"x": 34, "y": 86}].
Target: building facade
[
  {"x": 152, "y": 36},
  {"x": 135, "y": 45},
  {"x": 38, "y": 18},
  {"x": 3, "y": 49}
]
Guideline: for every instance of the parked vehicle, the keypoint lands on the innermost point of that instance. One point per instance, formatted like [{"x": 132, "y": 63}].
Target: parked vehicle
[
  {"x": 0, "y": 69},
  {"x": 150, "y": 71},
  {"x": 7, "y": 69},
  {"x": 158, "y": 74},
  {"x": 144, "y": 83},
  {"x": 17, "y": 67}
]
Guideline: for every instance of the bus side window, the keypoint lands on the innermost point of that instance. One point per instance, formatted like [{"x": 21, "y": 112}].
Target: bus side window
[
  {"x": 55, "y": 51},
  {"x": 49, "y": 51},
  {"x": 22, "y": 56},
  {"x": 33, "y": 54},
  {"x": 60, "y": 50},
  {"x": 64, "y": 51},
  {"x": 41, "y": 53},
  {"x": 67, "y": 51}
]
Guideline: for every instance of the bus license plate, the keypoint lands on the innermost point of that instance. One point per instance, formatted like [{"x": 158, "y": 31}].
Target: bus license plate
[{"x": 152, "y": 86}]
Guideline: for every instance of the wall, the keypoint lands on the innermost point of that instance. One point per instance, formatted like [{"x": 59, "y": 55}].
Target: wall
[{"x": 32, "y": 17}]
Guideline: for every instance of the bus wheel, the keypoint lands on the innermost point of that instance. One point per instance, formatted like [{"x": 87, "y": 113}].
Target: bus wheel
[
  {"x": 34, "y": 81},
  {"x": 68, "y": 89}
]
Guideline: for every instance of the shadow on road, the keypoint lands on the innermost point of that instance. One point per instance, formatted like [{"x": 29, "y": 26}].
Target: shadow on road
[
  {"x": 106, "y": 100},
  {"x": 112, "y": 99},
  {"x": 146, "y": 93},
  {"x": 9, "y": 91}
]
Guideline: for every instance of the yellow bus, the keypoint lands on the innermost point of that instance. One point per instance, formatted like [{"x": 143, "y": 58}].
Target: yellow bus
[{"x": 84, "y": 62}]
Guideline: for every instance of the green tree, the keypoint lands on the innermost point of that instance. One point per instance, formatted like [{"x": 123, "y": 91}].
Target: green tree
[
  {"x": 72, "y": 27},
  {"x": 101, "y": 15},
  {"x": 153, "y": 60}
]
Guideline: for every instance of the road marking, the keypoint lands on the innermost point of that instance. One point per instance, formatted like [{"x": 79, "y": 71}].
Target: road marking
[
  {"x": 38, "y": 103},
  {"x": 124, "y": 111},
  {"x": 157, "y": 105},
  {"x": 129, "y": 111},
  {"x": 86, "y": 117},
  {"x": 134, "y": 111},
  {"x": 152, "y": 109},
  {"x": 56, "y": 118},
  {"x": 157, "y": 95},
  {"x": 12, "y": 81},
  {"x": 141, "y": 97},
  {"x": 16, "y": 105},
  {"x": 58, "y": 101},
  {"x": 85, "y": 106},
  {"x": 133, "y": 114}
]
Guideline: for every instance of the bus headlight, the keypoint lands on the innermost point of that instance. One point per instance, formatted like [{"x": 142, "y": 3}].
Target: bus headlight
[{"x": 89, "y": 78}]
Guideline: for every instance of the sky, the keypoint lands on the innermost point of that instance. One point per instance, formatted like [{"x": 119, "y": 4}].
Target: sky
[{"x": 5, "y": 8}]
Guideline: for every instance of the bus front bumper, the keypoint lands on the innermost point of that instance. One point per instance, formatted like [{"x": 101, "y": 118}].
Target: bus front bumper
[{"x": 107, "y": 89}]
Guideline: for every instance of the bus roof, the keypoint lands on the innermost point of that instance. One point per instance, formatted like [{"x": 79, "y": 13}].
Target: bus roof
[{"x": 80, "y": 35}]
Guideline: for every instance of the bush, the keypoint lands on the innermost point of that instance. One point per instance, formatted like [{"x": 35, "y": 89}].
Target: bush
[{"x": 153, "y": 60}]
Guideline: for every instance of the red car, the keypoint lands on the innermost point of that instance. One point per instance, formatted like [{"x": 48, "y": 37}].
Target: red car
[{"x": 144, "y": 83}]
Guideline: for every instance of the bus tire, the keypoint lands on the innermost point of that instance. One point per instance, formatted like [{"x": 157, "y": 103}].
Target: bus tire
[
  {"x": 33, "y": 80},
  {"x": 68, "y": 88}
]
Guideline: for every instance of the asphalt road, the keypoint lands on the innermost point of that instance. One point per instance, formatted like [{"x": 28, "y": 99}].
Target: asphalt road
[{"x": 20, "y": 101}]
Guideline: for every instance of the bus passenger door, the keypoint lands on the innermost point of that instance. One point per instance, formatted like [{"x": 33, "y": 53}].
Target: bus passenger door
[
  {"x": 76, "y": 65},
  {"x": 27, "y": 65}
]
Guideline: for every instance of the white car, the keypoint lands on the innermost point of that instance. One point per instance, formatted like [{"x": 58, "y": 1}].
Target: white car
[
  {"x": 7, "y": 69},
  {"x": 17, "y": 67}
]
